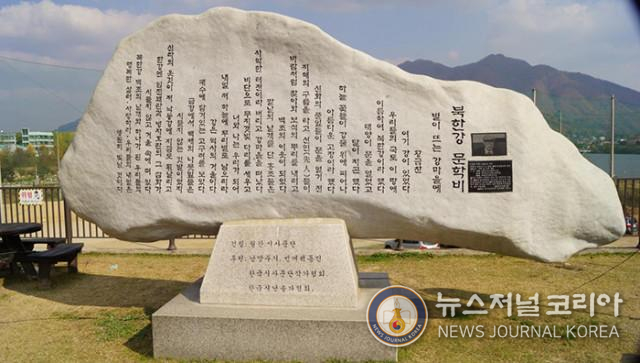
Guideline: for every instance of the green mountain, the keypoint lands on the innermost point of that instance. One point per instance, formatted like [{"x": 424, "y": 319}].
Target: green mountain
[{"x": 579, "y": 101}]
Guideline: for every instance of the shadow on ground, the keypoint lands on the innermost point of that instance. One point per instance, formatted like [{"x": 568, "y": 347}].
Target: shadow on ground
[
  {"x": 142, "y": 342},
  {"x": 100, "y": 290}
]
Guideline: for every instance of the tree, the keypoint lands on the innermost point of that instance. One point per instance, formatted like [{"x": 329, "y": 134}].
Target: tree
[
  {"x": 46, "y": 162},
  {"x": 62, "y": 140},
  {"x": 8, "y": 165},
  {"x": 24, "y": 157},
  {"x": 30, "y": 155}
]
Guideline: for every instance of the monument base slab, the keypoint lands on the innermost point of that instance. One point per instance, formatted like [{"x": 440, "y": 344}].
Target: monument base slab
[{"x": 185, "y": 328}]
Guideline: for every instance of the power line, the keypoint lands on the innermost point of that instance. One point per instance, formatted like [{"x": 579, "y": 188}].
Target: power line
[
  {"x": 604, "y": 273},
  {"x": 43, "y": 87},
  {"x": 51, "y": 65}
]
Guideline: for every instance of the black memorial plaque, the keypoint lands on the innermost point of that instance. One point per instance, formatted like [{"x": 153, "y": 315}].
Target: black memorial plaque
[{"x": 490, "y": 176}]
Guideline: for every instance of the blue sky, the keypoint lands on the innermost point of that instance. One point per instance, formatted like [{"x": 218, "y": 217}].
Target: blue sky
[{"x": 597, "y": 37}]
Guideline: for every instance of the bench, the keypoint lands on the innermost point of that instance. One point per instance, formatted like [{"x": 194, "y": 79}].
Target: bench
[
  {"x": 29, "y": 243},
  {"x": 65, "y": 252}
]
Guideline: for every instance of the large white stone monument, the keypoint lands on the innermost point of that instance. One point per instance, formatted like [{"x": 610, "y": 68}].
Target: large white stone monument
[{"x": 234, "y": 115}]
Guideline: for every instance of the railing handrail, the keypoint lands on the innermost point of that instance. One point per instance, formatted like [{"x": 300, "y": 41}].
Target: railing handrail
[{"x": 57, "y": 218}]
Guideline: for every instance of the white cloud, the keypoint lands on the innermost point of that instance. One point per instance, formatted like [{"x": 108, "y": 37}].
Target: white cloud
[
  {"x": 342, "y": 6},
  {"x": 557, "y": 26},
  {"x": 587, "y": 36},
  {"x": 68, "y": 34},
  {"x": 200, "y": 5},
  {"x": 543, "y": 17},
  {"x": 526, "y": 26}
]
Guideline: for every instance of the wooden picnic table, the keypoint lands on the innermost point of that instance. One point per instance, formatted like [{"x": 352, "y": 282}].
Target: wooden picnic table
[
  {"x": 14, "y": 230},
  {"x": 24, "y": 254},
  {"x": 10, "y": 233}
]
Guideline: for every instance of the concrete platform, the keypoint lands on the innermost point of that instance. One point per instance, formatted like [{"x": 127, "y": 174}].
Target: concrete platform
[{"x": 184, "y": 328}]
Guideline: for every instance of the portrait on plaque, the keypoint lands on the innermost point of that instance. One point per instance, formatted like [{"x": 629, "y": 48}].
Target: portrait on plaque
[{"x": 489, "y": 144}]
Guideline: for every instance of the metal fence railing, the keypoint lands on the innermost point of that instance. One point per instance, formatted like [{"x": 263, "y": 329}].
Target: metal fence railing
[
  {"x": 58, "y": 220},
  {"x": 51, "y": 212},
  {"x": 629, "y": 193}
]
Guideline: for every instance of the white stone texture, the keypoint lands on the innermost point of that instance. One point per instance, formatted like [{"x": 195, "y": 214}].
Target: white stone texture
[
  {"x": 253, "y": 261},
  {"x": 560, "y": 202}
]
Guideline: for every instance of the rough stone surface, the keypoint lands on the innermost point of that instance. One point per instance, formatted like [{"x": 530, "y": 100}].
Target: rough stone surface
[
  {"x": 184, "y": 328},
  {"x": 284, "y": 262},
  {"x": 233, "y": 115}
]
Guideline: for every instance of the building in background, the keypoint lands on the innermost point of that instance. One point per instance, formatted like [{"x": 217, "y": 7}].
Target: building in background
[
  {"x": 8, "y": 141},
  {"x": 37, "y": 138}
]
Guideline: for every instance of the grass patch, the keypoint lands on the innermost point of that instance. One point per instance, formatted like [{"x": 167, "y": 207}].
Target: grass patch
[
  {"x": 463, "y": 317},
  {"x": 520, "y": 321},
  {"x": 563, "y": 332},
  {"x": 103, "y": 315},
  {"x": 112, "y": 326},
  {"x": 69, "y": 315},
  {"x": 4, "y": 297},
  {"x": 389, "y": 256}
]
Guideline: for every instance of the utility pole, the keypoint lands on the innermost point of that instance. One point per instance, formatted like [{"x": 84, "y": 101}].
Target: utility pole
[
  {"x": 1, "y": 196},
  {"x": 58, "y": 156},
  {"x": 613, "y": 137},
  {"x": 533, "y": 96},
  {"x": 560, "y": 122}
]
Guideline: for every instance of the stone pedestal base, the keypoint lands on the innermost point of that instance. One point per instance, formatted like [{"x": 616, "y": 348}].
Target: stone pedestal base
[
  {"x": 185, "y": 328},
  {"x": 282, "y": 262}
]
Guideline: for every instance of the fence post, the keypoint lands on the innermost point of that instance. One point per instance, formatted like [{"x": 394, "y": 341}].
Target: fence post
[
  {"x": 533, "y": 96},
  {"x": 68, "y": 229},
  {"x": 612, "y": 153}
]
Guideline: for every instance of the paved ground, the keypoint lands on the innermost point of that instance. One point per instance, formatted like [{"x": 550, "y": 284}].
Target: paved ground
[{"x": 361, "y": 246}]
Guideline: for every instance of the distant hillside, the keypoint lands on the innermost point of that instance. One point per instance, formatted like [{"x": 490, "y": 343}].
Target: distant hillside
[
  {"x": 580, "y": 100},
  {"x": 70, "y": 126}
]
